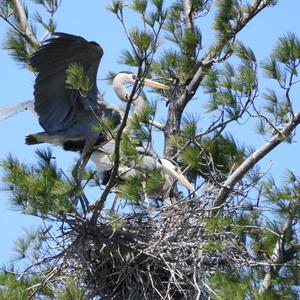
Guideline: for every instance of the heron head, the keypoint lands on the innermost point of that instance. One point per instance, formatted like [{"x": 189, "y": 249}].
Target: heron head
[
  {"x": 126, "y": 78},
  {"x": 173, "y": 170}
]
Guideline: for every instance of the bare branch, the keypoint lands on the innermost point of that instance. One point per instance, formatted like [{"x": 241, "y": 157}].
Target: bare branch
[
  {"x": 187, "y": 8},
  {"x": 25, "y": 28},
  {"x": 277, "y": 258},
  {"x": 157, "y": 125},
  {"x": 254, "y": 158}
]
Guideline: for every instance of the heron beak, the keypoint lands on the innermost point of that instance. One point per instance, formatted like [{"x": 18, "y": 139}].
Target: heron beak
[
  {"x": 173, "y": 170},
  {"x": 155, "y": 84}
]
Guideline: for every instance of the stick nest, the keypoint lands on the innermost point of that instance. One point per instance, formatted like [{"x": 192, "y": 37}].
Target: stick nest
[{"x": 167, "y": 255}]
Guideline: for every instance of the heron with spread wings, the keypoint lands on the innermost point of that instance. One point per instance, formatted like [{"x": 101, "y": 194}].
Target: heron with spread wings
[{"x": 67, "y": 115}]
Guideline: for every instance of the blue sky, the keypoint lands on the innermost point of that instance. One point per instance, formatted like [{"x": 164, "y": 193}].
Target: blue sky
[{"x": 94, "y": 22}]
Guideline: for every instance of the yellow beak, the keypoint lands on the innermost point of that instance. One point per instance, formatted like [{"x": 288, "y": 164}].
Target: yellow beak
[
  {"x": 155, "y": 84},
  {"x": 174, "y": 171}
]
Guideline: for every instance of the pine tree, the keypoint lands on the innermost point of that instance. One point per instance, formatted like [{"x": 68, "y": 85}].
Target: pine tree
[{"x": 236, "y": 237}]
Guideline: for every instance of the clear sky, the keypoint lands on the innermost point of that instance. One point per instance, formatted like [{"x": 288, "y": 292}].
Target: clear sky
[{"x": 91, "y": 20}]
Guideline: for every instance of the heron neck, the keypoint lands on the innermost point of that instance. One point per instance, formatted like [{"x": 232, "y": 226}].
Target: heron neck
[
  {"x": 124, "y": 95},
  {"x": 139, "y": 105}
]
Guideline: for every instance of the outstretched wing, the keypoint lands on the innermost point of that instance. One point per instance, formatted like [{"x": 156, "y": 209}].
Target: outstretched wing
[
  {"x": 57, "y": 105},
  {"x": 7, "y": 111}
]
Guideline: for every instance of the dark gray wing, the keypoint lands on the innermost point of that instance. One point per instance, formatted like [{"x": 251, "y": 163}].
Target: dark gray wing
[
  {"x": 56, "y": 105},
  {"x": 10, "y": 110}
]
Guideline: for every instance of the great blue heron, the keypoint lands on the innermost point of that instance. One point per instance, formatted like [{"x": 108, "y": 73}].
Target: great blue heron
[
  {"x": 149, "y": 159},
  {"x": 66, "y": 114},
  {"x": 146, "y": 160}
]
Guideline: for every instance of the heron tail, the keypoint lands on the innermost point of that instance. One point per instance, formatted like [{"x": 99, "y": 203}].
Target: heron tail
[
  {"x": 33, "y": 139},
  {"x": 42, "y": 137}
]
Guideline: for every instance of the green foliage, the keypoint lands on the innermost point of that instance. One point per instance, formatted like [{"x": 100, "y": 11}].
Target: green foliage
[
  {"x": 189, "y": 129},
  {"x": 29, "y": 245},
  {"x": 77, "y": 79},
  {"x": 169, "y": 65},
  {"x": 232, "y": 88},
  {"x": 128, "y": 151},
  {"x": 139, "y": 6},
  {"x": 243, "y": 52},
  {"x": 105, "y": 126},
  {"x": 154, "y": 180},
  {"x": 189, "y": 41},
  {"x": 38, "y": 189},
  {"x": 287, "y": 51},
  {"x": 264, "y": 241},
  {"x": 273, "y": 71},
  {"x": 142, "y": 39},
  {"x": 144, "y": 182},
  {"x": 116, "y": 7},
  {"x": 71, "y": 291},
  {"x": 282, "y": 66},
  {"x": 217, "y": 224},
  {"x": 128, "y": 58},
  {"x": 284, "y": 198},
  {"x": 18, "y": 47},
  {"x": 158, "y": 4},
  {"x": 207, "y": 156},
  {"x": 230, "y": 285},
  {"x": 130, "y": 190},
  {"x": 49, "y": 26},
  {"x": 180, "y": 63},
  {"x": 228, "y": 12},
  {"x": 284, "y": 60},
  {"x": 224, "y": 150},
  {"x": 279, "y": 108},
  {"x": 139, "y": 122},
  {"x": 14, "y": 286},
  {"x": 191, "y": 157},
  {"x": 48, "y": 4}
]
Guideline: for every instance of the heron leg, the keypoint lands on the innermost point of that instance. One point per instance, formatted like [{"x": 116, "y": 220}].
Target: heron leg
[
  {"x": 113, "y": 206},
  {"x": 79, "y": 168},
  {"x": 78, "y": 172},
  {"x": 145, "y": 195}
]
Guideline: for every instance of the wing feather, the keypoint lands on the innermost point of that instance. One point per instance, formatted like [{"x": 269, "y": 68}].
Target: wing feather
[
  {"x": 7, "y": 111},
  {"x": 56, "y": 105}
]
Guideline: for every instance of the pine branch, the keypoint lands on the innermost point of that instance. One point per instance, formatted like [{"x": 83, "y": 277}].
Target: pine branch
[
  {"x": 210, "y": 58},
  {"x": 187, "y": 8},
  {"x": 189, "y": 21},
  {"x": 254, "y": 158},
  {"x": 157, "y": 125},
  {"x": 26, "y": 30}
]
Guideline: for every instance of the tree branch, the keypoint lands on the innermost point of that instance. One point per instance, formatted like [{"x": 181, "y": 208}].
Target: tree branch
[
  {"x": 254, "y": 158},
  {"x": 25, "y": 28},
  {"x": 277, "y": 259},
  {"x": 210, "y": 57},
  {"x": 187, "y": 9},
  {"x": 177, "y": 106},
  {"x": 157, "y": 125}
]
